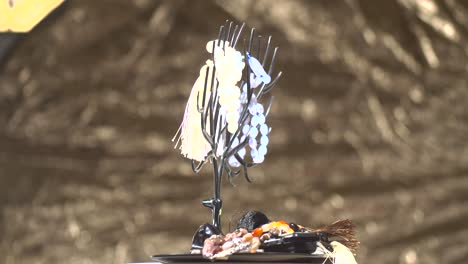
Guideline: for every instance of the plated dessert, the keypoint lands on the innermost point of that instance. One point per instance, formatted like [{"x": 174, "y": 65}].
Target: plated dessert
[
  {"x": 225, "y": 125},
  {"x": 255, "y": 233}
]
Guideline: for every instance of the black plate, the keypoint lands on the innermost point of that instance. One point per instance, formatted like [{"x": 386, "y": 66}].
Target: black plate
[{"x": 246, "y": 257}]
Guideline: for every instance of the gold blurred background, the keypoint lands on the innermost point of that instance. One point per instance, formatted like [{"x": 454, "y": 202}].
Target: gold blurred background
[{"x": 370, "y": 122}]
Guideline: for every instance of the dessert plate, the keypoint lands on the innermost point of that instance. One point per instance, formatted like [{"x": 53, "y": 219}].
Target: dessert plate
[{"x": 246, "y": 257}]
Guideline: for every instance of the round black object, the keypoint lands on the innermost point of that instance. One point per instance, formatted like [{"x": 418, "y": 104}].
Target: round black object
[
  {"x": 252, "y": 220},
  {"x": 202, "y": 233}
]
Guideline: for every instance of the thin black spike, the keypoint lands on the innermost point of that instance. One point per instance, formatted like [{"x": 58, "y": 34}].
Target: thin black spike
[
  {"x": 206, "y": 111},
  {"x": 233, "y": 35},
  {"x": 224, "y": 37},
  {"x": 243, "y": 117},
  {"x": 272, "y": 84},
  {"x": 272, "y": 63},
  {"x": 199, "y": 109},
  {"x": 215, "y": 109},
  {"x": 197, "y": 168},
  {"x": 269, "y": 106},
  {"x": 230, "y": 140},
  {"x": 229, "y": 174},
  {"x": 266, "y": 88},
  {"x": 238, "y": 34},
  {"x": 228, "y": 36},
  {"x": 259, "y": 46},
  {"x": 244, "y": 165},
  {"x": 216, "y": 122},
  {"x": 226, "y": 24},
  {"x": 221, "y": 122},
  {"x": 247, "y": 69},
  {"x": 266, "y": 51},
  {"x": 212, "y": 51},
  {"x": 205, "y": 133},
  {"x": 205, "y": 86},
  {"x": 221, "y": 32},
  {"x": 238, "y": 147},
  {"x": 210, "y": 104},
  {"x": 252, "y": 33}
]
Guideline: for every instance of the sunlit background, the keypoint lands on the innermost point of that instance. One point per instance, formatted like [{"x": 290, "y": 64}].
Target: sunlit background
[{"x": 370, "y": 122}]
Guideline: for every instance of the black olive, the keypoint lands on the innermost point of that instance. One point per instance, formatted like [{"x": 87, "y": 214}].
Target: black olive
[{"x": 252, "y": 220}]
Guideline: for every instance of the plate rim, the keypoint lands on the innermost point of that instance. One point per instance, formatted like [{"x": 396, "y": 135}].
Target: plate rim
[{"x": 293, "y": 257}]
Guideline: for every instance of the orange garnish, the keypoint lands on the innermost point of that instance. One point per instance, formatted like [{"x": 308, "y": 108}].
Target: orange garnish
[
  {"x": 257, "y": 232},
  {"x": 280, "y": 225}
]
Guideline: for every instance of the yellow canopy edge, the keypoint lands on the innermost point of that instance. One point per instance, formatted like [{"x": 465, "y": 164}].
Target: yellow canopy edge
[{"x": 24, "y": 15}]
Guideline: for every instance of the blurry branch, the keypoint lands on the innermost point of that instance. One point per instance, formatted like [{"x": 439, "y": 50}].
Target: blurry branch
[
  {"x": 459, "y": 13},
  {"x": 372, "y": 36},
  {"x": 426, "y": 46},
  {"x": 353, "y": 139},
  {"x": 290, "y": 17},
  {"x": 360, "y": 21},
  {"x": 384, "y": 126},
  {"x": 160, "y": 25},
  {"x": 380, "y": 119},
  {"x": 429, "y": 12},
  {"x": 424, "y": 41},
  {"x": 401, "y": 54},
  {"x": 162, "y": 20}
]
